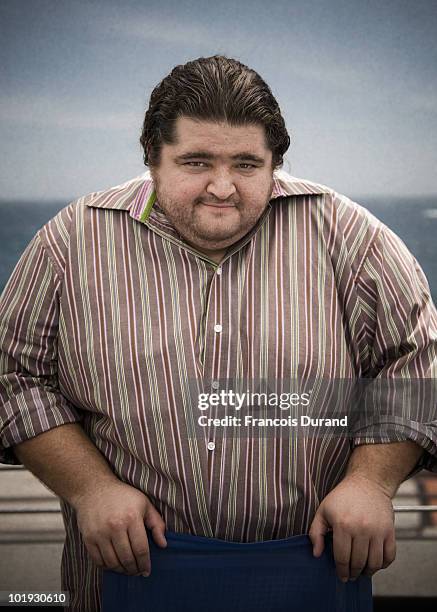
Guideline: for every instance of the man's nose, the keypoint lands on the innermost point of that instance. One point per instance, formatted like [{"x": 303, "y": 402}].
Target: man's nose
[{"x": 221, "y": 186}]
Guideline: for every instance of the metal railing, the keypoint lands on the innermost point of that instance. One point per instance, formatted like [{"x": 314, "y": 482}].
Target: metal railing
[
  {"x": 415, "y": 532},
  {"x": 415, "y": 508}
]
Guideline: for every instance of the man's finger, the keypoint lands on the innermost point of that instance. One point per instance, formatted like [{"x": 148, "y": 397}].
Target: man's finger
[
  {"x": 342, "y": 545},
  {"x": 317, "y": 533},
  {"x": 359, "y": 556},
  {"x": 389, "y": 549},
  {"x": 140, "y": 546},
  {"x": 375, "y": 557},
  {"x": 109, "y": 556},
  {"x": 94, "y": 553},
  {"x": 153, "y": 521},
  {"x": 124, "y": 552}
]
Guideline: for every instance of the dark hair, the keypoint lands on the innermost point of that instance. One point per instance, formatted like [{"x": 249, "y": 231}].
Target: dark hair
[{"x": 213, "y": 88}]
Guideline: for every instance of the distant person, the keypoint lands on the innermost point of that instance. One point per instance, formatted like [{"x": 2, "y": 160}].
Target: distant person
[{"x": 215, "y": 265}]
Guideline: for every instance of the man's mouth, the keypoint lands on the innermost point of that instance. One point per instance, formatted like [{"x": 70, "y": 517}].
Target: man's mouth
[{"x": 218, "y": 205}]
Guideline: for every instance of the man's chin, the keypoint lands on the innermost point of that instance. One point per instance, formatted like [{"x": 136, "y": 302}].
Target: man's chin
[
  {"x": 218, "y": 235},
  {"x": 215, "y": 242},
  {"x": 219, "y": 218}
]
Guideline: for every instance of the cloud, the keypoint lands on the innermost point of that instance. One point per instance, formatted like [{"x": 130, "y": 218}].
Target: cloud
[
  {"x": 49, "y": 111},
  {"x": 424, "y": 102},
  {"x": 164, "y": 30}
]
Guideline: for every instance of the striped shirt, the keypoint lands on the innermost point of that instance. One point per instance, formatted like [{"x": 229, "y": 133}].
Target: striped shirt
[{"x": 109, "y": 314}]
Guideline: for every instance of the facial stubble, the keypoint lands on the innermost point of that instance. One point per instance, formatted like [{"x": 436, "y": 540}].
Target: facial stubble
[{"x": 201, "y": 229}]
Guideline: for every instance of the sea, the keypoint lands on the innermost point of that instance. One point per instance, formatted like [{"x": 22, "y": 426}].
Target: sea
[{"x": 414, "y": 220}]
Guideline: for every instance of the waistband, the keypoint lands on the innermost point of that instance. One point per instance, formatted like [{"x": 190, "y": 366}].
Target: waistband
[
  {"x": 205, "y": 543},
  {"x": 196, "y": 573},
  {"x": 197, "y": 550}
]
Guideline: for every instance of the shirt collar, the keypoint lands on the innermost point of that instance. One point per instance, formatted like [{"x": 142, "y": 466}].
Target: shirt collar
[{"x": 139, "y": 198}]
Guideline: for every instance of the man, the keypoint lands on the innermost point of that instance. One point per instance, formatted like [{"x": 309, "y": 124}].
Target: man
[{"x": 214, "y": 265}]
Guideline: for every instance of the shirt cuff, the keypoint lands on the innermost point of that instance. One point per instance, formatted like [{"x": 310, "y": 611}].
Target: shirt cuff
[
  {"x": 423, "y": 434},
  {"x": 29, "y": 414}
]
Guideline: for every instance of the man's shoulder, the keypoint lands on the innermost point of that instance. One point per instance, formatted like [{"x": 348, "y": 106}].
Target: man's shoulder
[
  {"x": 118, "y": 197},
  {"x": 56, "y": 234},
  {"x": 287, "y": 185},
  {"x": 344, "y": 223}
]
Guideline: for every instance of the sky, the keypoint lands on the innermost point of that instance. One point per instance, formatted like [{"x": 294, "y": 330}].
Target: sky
[{"x": 356, "y": 81}]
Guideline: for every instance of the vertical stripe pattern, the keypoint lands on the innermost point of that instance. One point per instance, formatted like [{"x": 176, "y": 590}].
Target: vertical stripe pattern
[{"x": 109, "y": 319}]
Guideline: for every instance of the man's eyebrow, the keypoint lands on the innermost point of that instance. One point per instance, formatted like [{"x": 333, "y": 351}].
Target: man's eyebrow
[{"x": 204, "y": 155}]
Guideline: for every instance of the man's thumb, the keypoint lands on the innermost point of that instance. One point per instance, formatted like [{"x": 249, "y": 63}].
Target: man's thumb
[
  {"x": 317, "y": 532},
  {"x": 153, "y": 521}
]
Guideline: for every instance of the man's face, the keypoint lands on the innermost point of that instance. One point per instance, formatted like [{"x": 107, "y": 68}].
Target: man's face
[{"x": 214, "y": 181}]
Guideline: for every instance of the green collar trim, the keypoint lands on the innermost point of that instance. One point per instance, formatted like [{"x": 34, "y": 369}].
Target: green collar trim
[{"x": 148, "y": 207}]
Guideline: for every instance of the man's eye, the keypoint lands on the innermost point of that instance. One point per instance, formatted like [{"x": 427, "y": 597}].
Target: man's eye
[
  {"x": 246, "y": 166},
  {"x": 196, "y": 164}
]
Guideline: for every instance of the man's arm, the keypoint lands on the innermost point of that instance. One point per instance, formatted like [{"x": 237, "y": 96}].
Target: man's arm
[
  {"x": 111, "y": 514},
  {"x": 39, "y": 426},
  {"x": 396, "y": 333},
  {"x": 387, "y": 465},
  {"x": 65, "y": 459},
  {"x": 359, "y": 510}
]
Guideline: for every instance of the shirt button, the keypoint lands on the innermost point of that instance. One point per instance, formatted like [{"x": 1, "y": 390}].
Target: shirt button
[
  {"x": 211, "y": 446},
  {"x": 215, "y": 384},
  {"x": 218, "y": 328},
  {"x": 219, "y": 271}
]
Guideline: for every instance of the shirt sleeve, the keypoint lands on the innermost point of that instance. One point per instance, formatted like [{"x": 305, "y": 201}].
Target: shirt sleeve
[
  {"x": 399, "y": 322},
  {"x": 30, "y": 400}
]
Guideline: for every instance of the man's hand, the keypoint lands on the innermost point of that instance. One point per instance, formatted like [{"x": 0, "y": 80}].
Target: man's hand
[
  {"x": 111, "y": 514},
  {"x": 360, "y": 514},
  {"x": 111, "y": 520}
]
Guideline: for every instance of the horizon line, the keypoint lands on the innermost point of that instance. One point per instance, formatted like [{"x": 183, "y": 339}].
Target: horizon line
[{"x": 356, "y": 198}]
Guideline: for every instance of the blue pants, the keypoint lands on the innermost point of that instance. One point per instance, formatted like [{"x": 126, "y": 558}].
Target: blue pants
[{"x": 198, "y": 574}]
